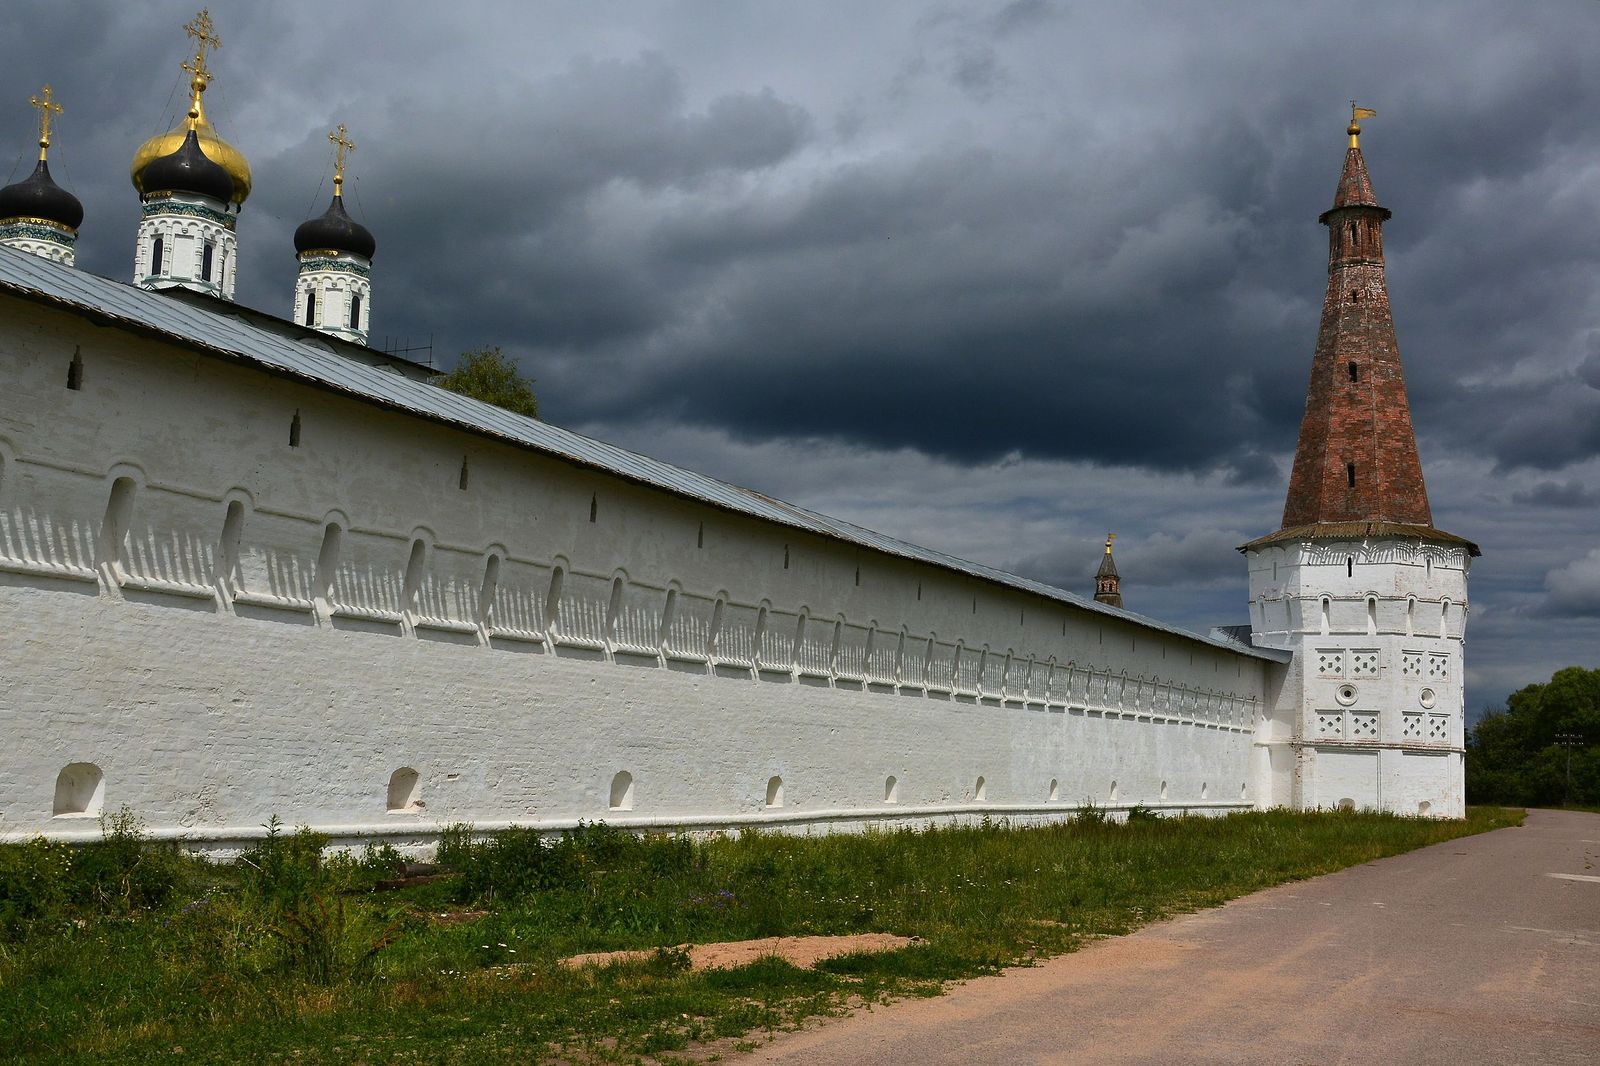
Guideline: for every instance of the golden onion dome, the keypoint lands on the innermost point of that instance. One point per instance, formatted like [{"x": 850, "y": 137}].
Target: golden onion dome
[{"x": 216, "y": 149}]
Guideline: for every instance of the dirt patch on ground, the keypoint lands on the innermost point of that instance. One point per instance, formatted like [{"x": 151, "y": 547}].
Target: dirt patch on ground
[{"x": 802, "y": 951}]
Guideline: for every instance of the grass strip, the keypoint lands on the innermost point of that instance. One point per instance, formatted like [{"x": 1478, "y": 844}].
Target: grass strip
[{"x": 131, "y": 952}]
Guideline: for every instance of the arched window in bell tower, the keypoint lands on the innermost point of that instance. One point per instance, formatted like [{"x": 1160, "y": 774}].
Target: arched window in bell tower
[{"x": 157, "y": 252}]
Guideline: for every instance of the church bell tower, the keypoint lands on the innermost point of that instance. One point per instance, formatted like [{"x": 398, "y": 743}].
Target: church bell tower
[{"x": 1357, "y": 582}]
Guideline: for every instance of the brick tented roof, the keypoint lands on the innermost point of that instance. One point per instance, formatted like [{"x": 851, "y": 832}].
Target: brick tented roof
[{"x": 1357, "y": 456}]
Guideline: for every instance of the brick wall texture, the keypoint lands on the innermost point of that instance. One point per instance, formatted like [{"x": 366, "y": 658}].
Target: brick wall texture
[{"x": 1357, "y": 455}]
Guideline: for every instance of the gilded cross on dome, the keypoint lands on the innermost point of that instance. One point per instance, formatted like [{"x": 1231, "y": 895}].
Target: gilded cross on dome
[
  {"x": 342, "y": 144},
  {"x": 204, "y": 33},
  {"x": 46, "y": 106}
]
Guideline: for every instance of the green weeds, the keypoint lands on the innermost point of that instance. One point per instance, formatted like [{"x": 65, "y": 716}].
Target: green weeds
[{"x": 124, "y": 950}]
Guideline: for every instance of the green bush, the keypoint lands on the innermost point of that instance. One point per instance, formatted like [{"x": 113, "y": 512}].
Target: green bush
[
  {"x": 284, "y": 869},
  {"x": 123, "y": 871},
  {"x": 34, "y": 880},
  {"x": 517, "y": 863}
]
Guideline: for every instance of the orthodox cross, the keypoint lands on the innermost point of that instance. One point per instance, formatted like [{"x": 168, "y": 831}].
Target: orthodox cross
[
  {"x": 342, "y": 144},
  {"x": 204, "y": 33},
  {"x": 45, "y": 105}
]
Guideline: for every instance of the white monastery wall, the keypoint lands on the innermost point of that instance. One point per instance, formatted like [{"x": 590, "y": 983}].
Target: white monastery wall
[
  {"x": 229, "y": 595},
  {"x": 1371, "y": 713}
]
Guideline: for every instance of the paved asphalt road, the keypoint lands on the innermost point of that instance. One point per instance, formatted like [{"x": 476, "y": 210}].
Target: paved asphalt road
[{"x": 1473, "y": 951}]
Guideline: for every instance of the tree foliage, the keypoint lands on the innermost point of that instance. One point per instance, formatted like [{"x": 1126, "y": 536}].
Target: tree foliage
[
  {"x": 1514, "y": 757},
  {"x": 488, "y": 374}
]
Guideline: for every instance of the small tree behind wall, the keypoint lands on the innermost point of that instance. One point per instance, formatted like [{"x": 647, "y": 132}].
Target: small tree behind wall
[{"x": 488, "y": 374}]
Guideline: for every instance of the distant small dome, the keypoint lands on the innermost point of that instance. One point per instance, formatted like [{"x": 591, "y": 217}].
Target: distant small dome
[
  {"x": 37, "y": 196},
  {"x": 188, "y": 169},
  {"x": 335, "y": 231}
]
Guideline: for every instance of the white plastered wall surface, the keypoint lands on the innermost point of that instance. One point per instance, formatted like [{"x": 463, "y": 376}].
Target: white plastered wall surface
[
  {"x": 232, "y": 595},
  {"x": 1371, "y": 715}
]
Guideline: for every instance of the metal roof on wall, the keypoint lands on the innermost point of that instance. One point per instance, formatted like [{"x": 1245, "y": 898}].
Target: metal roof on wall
[{"x": 316, "y": 359}]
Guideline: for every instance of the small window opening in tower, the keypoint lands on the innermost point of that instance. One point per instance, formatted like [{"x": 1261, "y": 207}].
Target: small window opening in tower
[
  {"x": 355, "y": 312},
  {"x": 1350, "y": 474},
  {"x": 208, "y": 254},
  {"x": 311, "y": 307},
  {"x": 462, "y": 483},
  {"x": 157, "y": 253},
  {"x": 786, "y": 557},
  {"x": 75, "y": 371},
  {"x": 1355, "y": 372},
  {"x": 858, "y": 575},
  {"x": 594, "y": 508},
  {"x": 1354, "y": 296},
  {"x": 294, "y": 431},
  {"x": 700, "y": 537},
  {"x": 1352, "y": 236},
  {"x": 1350, "y": 566}
]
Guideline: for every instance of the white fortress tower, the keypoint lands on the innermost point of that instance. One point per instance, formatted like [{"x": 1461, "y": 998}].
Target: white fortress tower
[
  {"x": 334, "y": 290},
  {"x": 191, "y": 184},
  {"x": 38, "y": 216},
  {"x": 1358, "y": 583}
]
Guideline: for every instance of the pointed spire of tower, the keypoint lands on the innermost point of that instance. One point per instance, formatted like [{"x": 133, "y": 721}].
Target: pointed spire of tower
[
  {"x": 1357, "y": 456},
  {"x": 1356, "y": 461},
  {"x": 1107, "y": 582}
]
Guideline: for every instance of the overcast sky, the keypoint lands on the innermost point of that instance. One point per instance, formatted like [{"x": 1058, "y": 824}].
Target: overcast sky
[{"x": 991, "y": 277}]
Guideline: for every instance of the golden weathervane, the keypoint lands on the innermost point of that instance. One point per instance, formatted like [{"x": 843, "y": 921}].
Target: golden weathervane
[
  {"x": 1109, "y": 538},
  {"x": 1356, "y": 115},
  {"x": 342, "y": 144},
  {"x": 46, "y": 107}
]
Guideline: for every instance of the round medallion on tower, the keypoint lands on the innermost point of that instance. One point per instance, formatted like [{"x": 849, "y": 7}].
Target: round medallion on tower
[
  {"x": 36, "y": 214},
  {"x": 333, "y": 292}
]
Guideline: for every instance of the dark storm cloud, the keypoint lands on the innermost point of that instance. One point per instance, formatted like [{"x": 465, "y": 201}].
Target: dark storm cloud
[
  {"x": 1066, "y": 255},
  {"x": 1563, "y": 494}
]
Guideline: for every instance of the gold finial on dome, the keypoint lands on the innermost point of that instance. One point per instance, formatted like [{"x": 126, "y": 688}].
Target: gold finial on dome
[
  {"x": 219, "y": 151},
  {"x": 46, "y": 106},
  {"x": 1109, "y": 538},
  {"x": 1356, "y": 115},
  {"x": 342, "y": 144}
]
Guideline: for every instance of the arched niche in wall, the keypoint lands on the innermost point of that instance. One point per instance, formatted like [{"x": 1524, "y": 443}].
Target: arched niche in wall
[
  {"x": 80, "y": 791},
  {"x": 621, "y": 798},
  {"x": 405, "y": 791}
]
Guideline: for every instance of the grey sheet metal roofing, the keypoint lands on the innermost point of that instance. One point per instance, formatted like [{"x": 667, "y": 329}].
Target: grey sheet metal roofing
[{"x": 316, "y": 358}]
